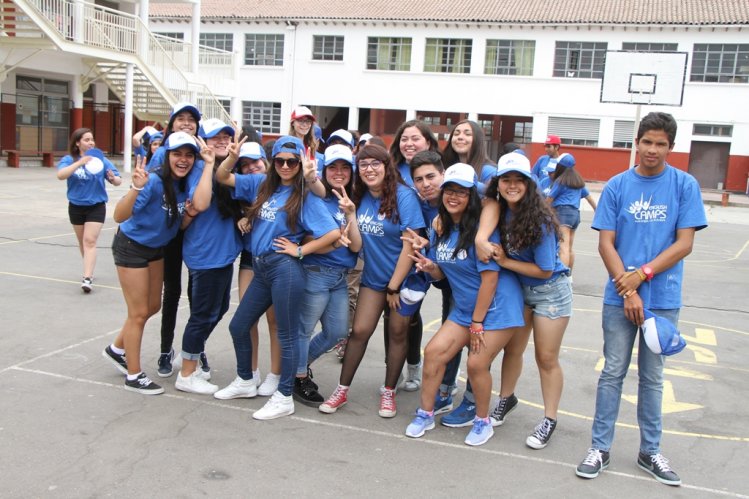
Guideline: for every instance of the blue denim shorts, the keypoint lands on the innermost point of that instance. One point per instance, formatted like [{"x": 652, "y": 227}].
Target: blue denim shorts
[
  {"x": 569, "y": 216},
  {"x": 552, "y": 299}
]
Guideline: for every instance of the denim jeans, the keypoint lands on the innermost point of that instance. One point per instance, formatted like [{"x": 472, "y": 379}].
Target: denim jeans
[
  {"x": 211, "y": 292},
  {"x": 618, "y": 339},
  {"x": 279, "y": 281},
  {"x": 325, "y": 300}
]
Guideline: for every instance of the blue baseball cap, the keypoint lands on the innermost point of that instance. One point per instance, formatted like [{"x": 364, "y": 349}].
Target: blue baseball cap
[
  {"x": 566, "y": 160},
  {"x": 660, "y": 335},
  {"x": 412, "y": 292},
  {"x": 211, "y": 127},
  {"x": 343, "y": 135},
  {"x": 179, "y": 139},
  {"x": 156, "y": 136},
  {"x": 282, "y": 145},
  {"x": 185, "y": 106}
]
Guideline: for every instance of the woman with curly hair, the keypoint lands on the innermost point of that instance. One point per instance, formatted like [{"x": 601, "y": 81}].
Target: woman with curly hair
[
  {"x": 386, "y": 209},
  {"x": 530, "y": 248}
]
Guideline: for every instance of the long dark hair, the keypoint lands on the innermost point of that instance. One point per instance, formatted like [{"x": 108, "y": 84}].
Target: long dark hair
[
  {"x": 76, "y": 136},
  {"x": 567, "y": 176},
  {"x": 426, "y": 132},
  {"x": 170, "y": 195},
  {"x": 525, "y": 229},
  {"x": 477, "y": 156},
  {"x": 272, "y": 182},
  {"x": 468, "y": 225},
  {"x": 389, "y": 203}
]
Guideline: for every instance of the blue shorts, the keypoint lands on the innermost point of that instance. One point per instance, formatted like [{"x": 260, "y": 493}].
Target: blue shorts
[
  {"x": 568, "y": 216},
  {"x": 552, "y": 299}
]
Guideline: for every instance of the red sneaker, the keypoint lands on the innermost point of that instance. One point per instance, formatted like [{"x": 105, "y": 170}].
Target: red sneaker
[
  {"x": 387, "y": 403},
  {"x": 335, "y": 401}
]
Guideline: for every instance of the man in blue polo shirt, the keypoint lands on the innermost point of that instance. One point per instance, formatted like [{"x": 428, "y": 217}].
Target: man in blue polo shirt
[{"x": 646, "y": 218}]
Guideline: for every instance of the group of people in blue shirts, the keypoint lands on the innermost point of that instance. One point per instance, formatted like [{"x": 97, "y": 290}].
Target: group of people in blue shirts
[{"x": 410, "y": 218}]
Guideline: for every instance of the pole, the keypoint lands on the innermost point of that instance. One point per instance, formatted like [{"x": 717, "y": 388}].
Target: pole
[
  {"x": 127, "y": 143},
  {"x": 634, "y": 136}
]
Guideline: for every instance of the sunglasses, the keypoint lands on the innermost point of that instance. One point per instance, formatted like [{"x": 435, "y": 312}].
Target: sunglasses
[{"x": 289, "y": 162}]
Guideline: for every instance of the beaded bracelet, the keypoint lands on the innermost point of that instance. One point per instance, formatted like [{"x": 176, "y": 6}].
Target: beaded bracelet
[
  {"x": 476, "y": 330},
  {"x": 132, "y": 186}
]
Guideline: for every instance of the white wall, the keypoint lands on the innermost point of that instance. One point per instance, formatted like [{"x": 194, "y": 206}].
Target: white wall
[{"x": 350, "y": 84}]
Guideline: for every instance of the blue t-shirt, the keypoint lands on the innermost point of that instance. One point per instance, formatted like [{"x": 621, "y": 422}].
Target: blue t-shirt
[
  {"x": 488, "y": 172},
  {"x": 464, "y": 275},
  {"x": 645, "y": 213},
  {"x": 544, "y": 166},
  {"x": 381, "y": 237},
  {"x": 211, "y": 241},
  {"x": 271, "y": 221},
  {"x": 338, "y": 258},
  {"x": 429, "y": 213},
  {"x": 86, "y": 188},
  {"x": 405, "y": 172},
  {"x": 545, "y": 255},
  {"x": 562, "y": 195},
  {"x": 149, "y": 222}
]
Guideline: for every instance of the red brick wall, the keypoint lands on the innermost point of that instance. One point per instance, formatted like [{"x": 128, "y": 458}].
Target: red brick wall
[{"x": 7, "y": 126}]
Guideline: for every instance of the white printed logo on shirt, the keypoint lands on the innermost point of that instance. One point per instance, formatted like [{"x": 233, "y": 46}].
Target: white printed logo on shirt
[
  {"x": 371, "y": 224},
  {"x": 445, "y": 252},
  {"x": 269, "y": 209},
  {"x": 644, "y": 211}
]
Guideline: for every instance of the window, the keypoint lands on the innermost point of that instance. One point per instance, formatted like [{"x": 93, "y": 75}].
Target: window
[
  {"x": 226, "y": 104},
  {"x": 725, "y": 63},
  {"x": 579, "y": 59},
  {"x": 447, "y": 55},
  {"x": 650, "y": 47},
  {"x": 263, "y": 50},
  {"x": 220, "y": 41},
  {"x": 509, "y": 57},
  {"x": 712, "y": 130},
  {"x": 624, "y": 132},
  {"x": 523, "y": 132},
  {"x": 264, "y": 116},
  {"x": 327, "y": 48},
  {"x": 575, "y": 131},
  {"x": 389, "y": 54},
  {"x": 173, "y": 36}
]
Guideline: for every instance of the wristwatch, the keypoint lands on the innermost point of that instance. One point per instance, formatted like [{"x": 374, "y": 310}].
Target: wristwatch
[{"x": 648, "y": 271}]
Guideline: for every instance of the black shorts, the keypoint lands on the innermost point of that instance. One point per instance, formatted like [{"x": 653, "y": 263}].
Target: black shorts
[
  {"x": 79, "y": 215},
  {"x": 132, "y": 254},
  {"x": 245, "y": 260}
]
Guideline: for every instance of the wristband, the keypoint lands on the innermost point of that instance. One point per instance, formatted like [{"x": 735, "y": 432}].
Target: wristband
[
  {"x": 476, "y": 322},
  {"x": 136, "y": 188},
  {"x": 648, "y": 271},
  {"x": 299, "y": 252},
  {"x": 392, "y": 291}
]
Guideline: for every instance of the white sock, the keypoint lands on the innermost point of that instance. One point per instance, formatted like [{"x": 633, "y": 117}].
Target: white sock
[
  {"x": 118, "y": 351},
  {"x": 131, "y": 377}
]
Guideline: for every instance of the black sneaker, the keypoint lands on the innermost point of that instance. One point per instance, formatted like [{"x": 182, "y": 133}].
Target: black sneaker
[
  {"x": 87, "y": 284},
  {"x": 306, "y": 393},
  {"x": 143, "y": 384},
  {"x": 309, "y": 376},
  {"x": 118, "y": 360},
  {"x": 657, "y": 465},
  {"x": 504, "y": 407},
  {"x": 594, "y": 463},
  {"x": 204, "y": 363},
  {"x": 165, "y": 364},
  {"x": 542, "y": 434}
]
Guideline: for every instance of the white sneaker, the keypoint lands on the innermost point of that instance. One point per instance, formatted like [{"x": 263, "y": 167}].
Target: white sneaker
[
  {"x": 269, "y": 385},
  {"x": 257, "y": 376},
  {"x": 277, "y": 406},
  {"x": 177, "y": 366},
  {"x": 413, "y": 380},
  {"x": 238, "y": 389},
  {"x": 195, "y": 384}
]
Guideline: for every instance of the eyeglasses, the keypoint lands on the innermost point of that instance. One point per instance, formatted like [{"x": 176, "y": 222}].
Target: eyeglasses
[
  {"x": 456, "y": 193},
  {"x": 290, "y": 163},
  {"x": 374, "y": 165}
]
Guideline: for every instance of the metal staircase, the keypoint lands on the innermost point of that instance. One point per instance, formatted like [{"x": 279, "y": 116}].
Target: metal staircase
[{"x": 109, "y": 40}]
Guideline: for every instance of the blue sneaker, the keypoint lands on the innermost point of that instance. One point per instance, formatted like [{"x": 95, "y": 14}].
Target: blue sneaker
[
  {"x": 442, "y": 404},
  {"x": 481, "y": 432},
  {"x": 422, "y": 422},
  {"x": 461, "y": 416}
]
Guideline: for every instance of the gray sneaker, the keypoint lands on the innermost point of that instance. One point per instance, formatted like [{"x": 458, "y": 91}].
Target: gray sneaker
[
  {"x": 657, "y": 465},
  {"x": 594, "y": 463}
]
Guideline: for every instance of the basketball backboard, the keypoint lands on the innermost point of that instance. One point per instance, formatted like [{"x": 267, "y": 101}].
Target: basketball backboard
[{"x": 654, "y": 78}]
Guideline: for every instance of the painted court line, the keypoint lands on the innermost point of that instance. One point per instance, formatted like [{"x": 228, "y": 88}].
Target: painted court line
[{"x": 379, "y": 433}]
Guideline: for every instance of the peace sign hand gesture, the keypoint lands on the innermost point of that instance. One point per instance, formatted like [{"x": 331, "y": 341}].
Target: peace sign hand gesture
[
  {"x": 140, "y": 175},
  {"x": 309, "y": 165},
  {"x": 344, "y": 203},
  {"x": 417, "y": 242},
  {"x": 208, "y": 154},
  {"x": 423, "y": 264},
  {"x": 235, "y": 147}
]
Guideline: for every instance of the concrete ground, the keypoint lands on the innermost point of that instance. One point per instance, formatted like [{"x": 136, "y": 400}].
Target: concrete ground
[{"x": 68, "y": 429}]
